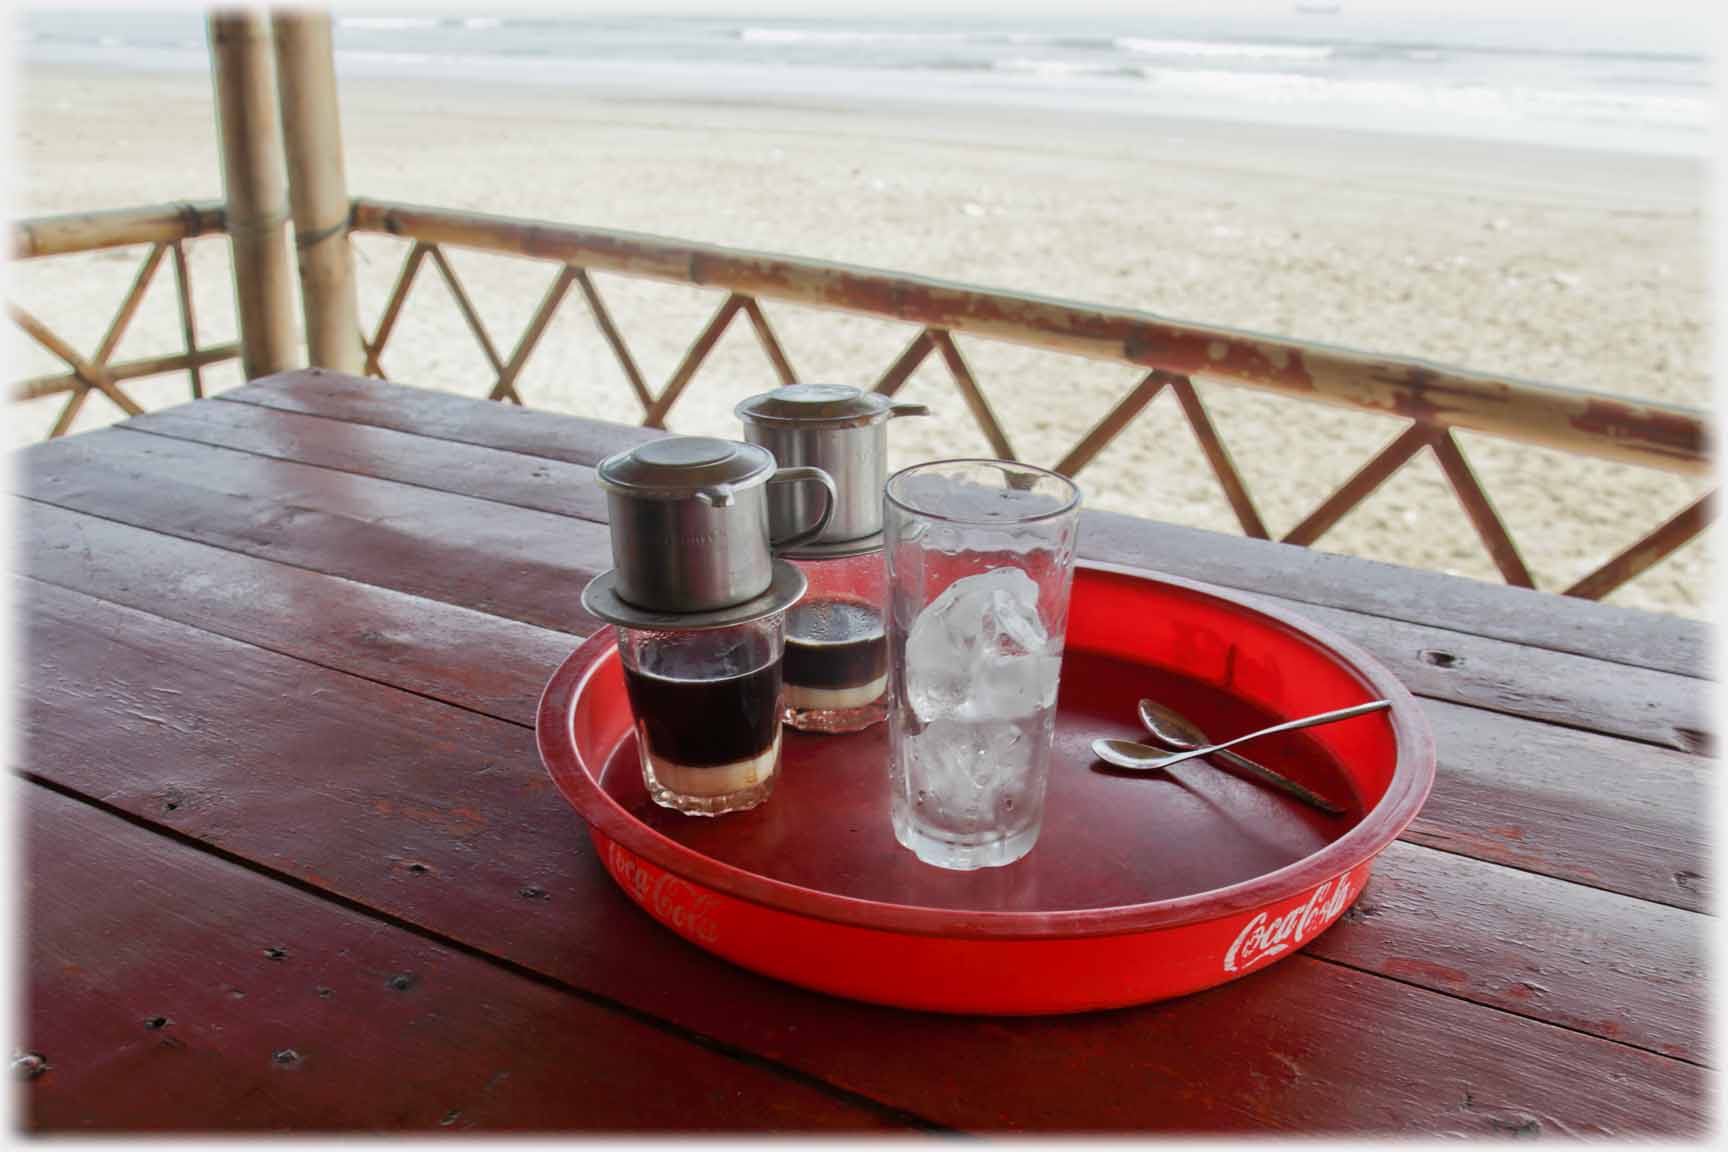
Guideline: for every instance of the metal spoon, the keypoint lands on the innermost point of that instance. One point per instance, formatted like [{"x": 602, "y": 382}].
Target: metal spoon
[
  {"x": 1141, "y": 757},
  {"x": 1180, "y": 734}
]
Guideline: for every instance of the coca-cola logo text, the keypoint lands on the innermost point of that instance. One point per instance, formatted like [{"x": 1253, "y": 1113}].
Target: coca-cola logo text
[
  {"x": 673, "y": 902},
  {"x": 1264, "y": 937}
]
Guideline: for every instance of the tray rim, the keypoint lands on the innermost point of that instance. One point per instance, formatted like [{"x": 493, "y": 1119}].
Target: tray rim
[{"x": 1412, "y": 779}]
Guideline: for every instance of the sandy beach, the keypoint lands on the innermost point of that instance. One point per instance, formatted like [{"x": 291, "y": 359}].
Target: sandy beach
[{"x": 1570, "y": 267}]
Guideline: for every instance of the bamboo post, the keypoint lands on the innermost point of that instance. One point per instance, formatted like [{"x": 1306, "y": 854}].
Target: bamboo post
[
  {"x": 318, "y": 188},
  {"x": 254, "y": 186}
]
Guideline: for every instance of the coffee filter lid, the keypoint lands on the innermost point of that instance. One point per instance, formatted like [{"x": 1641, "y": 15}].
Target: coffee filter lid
[
  {"x": 815, "y": 406},
  {"x": 680, "y": 465}
]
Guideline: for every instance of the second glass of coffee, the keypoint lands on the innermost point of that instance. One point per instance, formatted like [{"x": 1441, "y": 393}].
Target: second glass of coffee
[{"x": 836, "y": 668}]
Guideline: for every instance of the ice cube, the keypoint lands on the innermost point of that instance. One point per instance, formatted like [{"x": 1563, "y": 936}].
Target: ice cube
[
  {"x": 980, "y": 652},
  {"x": 960, "y": 770}
]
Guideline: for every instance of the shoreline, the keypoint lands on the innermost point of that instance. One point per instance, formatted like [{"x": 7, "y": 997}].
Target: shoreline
[
  {"x": 830, "y": 85},
  {"x": 1575, "y": 173}
]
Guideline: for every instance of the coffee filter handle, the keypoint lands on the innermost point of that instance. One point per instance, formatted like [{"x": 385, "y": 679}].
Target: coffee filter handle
[{"x": 830, "y": 499}]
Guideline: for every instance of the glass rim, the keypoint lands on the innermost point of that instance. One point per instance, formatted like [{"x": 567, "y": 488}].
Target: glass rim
[{"x": 1068, "y": 506}]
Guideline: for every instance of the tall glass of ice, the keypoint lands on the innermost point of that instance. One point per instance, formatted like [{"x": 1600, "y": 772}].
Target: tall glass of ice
[{"x": 980, "y": 557}]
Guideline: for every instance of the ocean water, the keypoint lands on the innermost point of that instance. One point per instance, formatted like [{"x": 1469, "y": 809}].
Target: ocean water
[{"x": 1637, "y": 86}]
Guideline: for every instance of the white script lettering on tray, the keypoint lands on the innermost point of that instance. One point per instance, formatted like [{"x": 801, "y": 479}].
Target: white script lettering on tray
[
  {"x": 1263, "y": 937},
  {"x": 671, "y": 900}
]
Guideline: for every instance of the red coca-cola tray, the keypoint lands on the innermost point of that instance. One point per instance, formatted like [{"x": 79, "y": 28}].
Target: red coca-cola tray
[{"x": 1139, "y": 888}]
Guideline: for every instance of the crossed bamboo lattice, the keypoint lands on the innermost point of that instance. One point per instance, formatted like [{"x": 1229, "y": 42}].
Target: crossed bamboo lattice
[
  {"x": 98, "y": 373},
  {"x": 1492, "y": 531}
]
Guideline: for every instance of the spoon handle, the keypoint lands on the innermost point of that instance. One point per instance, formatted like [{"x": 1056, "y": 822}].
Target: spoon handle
[
  {"x": 1287, "y": 726},
  {"x": 1281, "y": 782}
]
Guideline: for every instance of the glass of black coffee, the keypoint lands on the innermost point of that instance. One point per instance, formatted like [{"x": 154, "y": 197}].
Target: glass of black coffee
[
  {"x": 707, "y": 712},
  {"x": 836, "y": 669}
]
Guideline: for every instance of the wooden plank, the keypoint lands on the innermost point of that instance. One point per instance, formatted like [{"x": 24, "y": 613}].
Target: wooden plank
[
  {"x": 1587, "y": 808},
  {"x": 172, "y": 991},
  {"x": 527, "y": 565},
  {"x": 101, "y": 473},
  {"x": 507, "y": 477},
  {"x": 503, "y": 866},
  {"x": 1447, "y": 665},
  {"x": 1557, "y": 687},
  {"x": 1606, "y": 813},
  {"x": 1542, "y": 907},
  {"x": 1582, "y": 986},
  {"x": 1412, "y": 924},
  {"x": 1518, "y": 615},
  {"x": 443, "y": 416},
  {"x": 423, "y": 646},
  {"x": 1607, "y": 632}
]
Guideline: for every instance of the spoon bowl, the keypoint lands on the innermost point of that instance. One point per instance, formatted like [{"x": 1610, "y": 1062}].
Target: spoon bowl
[
  {"x": 1180, "y": 734},
  {"x": 1170, "y": 728},
  {"x": 1144, "y": 758}
]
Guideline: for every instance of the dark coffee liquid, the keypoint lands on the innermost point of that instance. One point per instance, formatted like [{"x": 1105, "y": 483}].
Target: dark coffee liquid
[
  {"x": 707, "y": 723},
  {"x": 833, "y": 643}
]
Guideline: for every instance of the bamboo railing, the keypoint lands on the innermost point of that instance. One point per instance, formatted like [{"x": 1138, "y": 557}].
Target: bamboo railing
[
  {"x": 1434, "y": 399},
  {"x": 165, "y": 228}
]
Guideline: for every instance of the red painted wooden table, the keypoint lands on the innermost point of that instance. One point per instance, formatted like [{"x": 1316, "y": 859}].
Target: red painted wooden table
[{"x": 293, "y": 862}]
